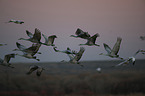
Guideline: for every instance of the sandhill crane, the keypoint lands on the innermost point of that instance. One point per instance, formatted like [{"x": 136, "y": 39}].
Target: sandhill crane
[
  {"x": 67, "y": 51},
  {"x": 128, "y": 60},
  {"x": 113, "y": 53},
  {"x": 141, "y": 51},
  {"x": 81, "y": 34},
  {"x": 74, "y": 58},
  {"x": 91, "y": 40},
  {"x": 2, "y": 44},
  {"x": 33, "y": 49},
  {"x": 16, "y": 21},
  {"x": 34, "y": 38},
  {"x": 28, "y": 52},
  {"x": 7, "y": 59},
  {"x": 142, "y": 37},
  {"x": 49, "y": 40},
  {"x": 35, "y": 67}
]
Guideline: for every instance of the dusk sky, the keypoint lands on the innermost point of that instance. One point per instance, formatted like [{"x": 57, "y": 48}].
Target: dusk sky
[{"x": 109, "y": 18}]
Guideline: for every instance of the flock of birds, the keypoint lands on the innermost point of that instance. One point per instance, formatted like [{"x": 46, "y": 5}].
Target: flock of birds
[{"x": 30, "y": 52}]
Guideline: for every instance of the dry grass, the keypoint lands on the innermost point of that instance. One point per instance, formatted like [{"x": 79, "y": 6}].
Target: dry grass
[{"x": 14, "y": 82}]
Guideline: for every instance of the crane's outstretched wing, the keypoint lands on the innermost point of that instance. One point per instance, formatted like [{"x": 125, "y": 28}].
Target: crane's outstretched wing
[
  {"x": 124, "y": 62},
  {"x": 107, "y": 48},
  {"x": 37, "y": 35},
  {"x": 8, "y": 57},
  {"x": 46, "y": 38},
  {"x": 39, "y": 71},
  {"x": 92, "y": 39},
  {"x": 116, "y": 47},
  {"x": 29, "y": 34},
  {"x": 80, "y": 33},
  {"x": 20, "y": 46},
  {"x": 79, "y": 54},
  {"x": 51, "y": 39},
  {"x": 32, "y": 68}
]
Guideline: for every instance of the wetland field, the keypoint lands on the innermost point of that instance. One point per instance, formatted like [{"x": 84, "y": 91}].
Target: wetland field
[{"x": 65, "y": 79}]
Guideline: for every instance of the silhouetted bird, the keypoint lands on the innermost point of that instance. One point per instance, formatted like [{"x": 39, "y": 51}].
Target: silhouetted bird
[
  {"x": 49, "y": 40},
  {"x": 28, "y": 52},
  {"x": 34, "y": 38},
  {"x": 2, "y": 44},
  {"x": 91, "y": 40},
  {"x": 67, "y": 51},
  {"x": 74, "y": 58},
  {"x": 81, "y": 34},
  {"x": 141, "y": 51},
  {"x": 35, "y": 67},
  {"x": 142, "y": 37},
  {"x": 128, "y": 60},
  {"x": 113, "y": 53},
  {"x": 16, "y": 21},
  {"x": 6, "y": 60}
]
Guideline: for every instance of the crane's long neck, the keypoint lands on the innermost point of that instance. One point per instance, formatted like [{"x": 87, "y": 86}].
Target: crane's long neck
[
  {"x": 73, "y": 36},
  {"x": 23, "y": 39},
  {"x": 83, "y": 44}
]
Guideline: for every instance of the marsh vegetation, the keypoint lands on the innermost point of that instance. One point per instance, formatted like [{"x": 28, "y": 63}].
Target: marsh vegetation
[{"x": 64, "y": 79}]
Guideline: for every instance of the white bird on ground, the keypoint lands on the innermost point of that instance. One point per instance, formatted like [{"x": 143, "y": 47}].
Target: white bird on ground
[
  {"x": 6, "y": 60},
  {"x": 16, "y": 21},
  {"x": 28, "y": 52},
  {"x": 34, "y": 38},
  {"x": 99, "y": 70},
  {"x": 49, "y": 40},
  {"x": 81, "y": 34},
  {"x": 35, "y": 67},
  {"x": 74, "y": 58},
  {"x": 67, "y": 51},
  {"x": 113, "y": 53},
  {"x": 91, "y": 40}
]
